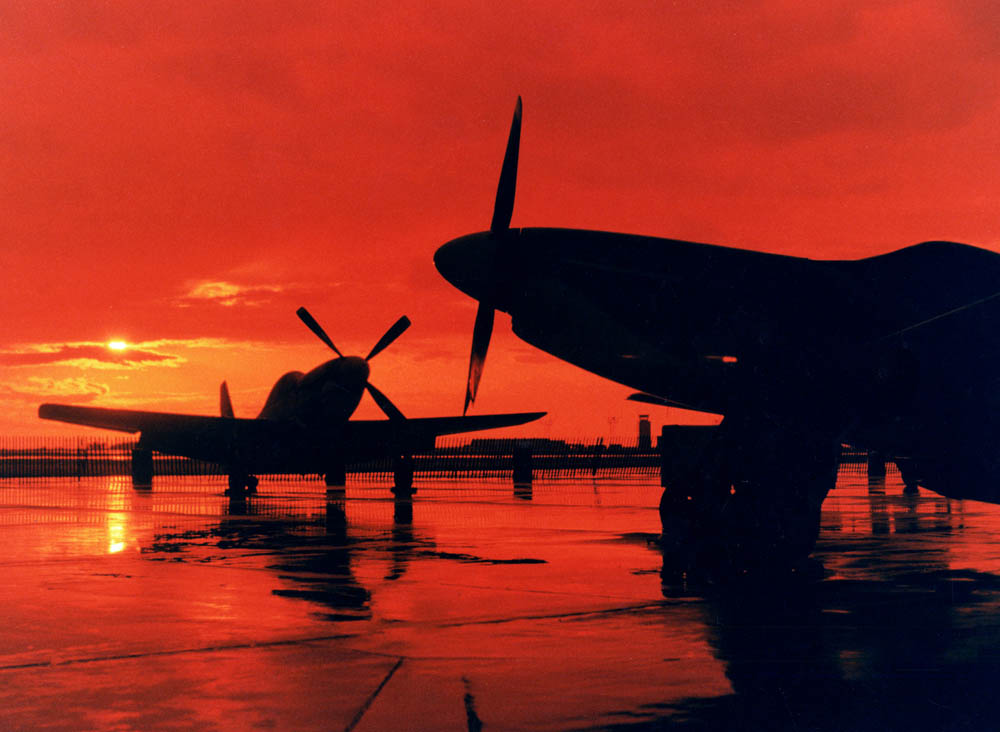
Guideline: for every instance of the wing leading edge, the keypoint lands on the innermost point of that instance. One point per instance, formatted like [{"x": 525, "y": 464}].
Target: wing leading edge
[
  {"x": 128, "y": 420},
  {"x": 474, "y": 423}
]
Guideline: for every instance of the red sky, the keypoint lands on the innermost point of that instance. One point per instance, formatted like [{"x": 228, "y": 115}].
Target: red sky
[{"x": 182, "y": 176}]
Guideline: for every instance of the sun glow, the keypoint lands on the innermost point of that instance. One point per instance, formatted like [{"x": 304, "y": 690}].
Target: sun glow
[{"x": 117, "y": 345}]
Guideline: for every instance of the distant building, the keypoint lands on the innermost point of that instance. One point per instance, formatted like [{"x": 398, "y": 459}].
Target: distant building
[{"x": 645, "y": 435}]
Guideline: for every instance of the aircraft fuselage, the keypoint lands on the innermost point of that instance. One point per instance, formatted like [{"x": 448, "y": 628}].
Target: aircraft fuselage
[
  {"x": 728, "y": 331},
  {"x": 327, "y": 395}
]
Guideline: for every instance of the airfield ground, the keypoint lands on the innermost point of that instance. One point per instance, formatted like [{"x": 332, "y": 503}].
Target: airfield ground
[{"x": 478, "y": 607}]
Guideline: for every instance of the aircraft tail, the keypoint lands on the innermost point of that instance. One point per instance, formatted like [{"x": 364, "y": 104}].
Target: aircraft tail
[{"x": 225, "y": 405}]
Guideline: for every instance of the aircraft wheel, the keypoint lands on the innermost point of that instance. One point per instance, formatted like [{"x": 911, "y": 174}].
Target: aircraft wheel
[{"x": 241, "y": 485}]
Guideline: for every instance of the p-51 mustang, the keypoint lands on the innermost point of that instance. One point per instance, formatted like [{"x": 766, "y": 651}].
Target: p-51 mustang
[
  {"x": 304, "y": 427},
  {"x": 896, "y": 353}
]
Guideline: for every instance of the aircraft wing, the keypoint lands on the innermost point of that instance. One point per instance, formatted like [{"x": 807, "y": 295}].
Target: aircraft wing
[
  {"x": 274, "y": 445},
  {"x": 216, "y": 439},
  {"x": 475, "y": 423},
  {"x": 123, "y": 420},
  {"x": 419, "y": 433}
]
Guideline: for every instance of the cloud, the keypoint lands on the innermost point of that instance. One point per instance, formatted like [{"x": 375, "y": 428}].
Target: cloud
[
  {"x": 216, "y": 343},
  {"x": 77, "y": 388},
  {"x": 227, "y": 294},
  {"x": 88, "y": 356}
]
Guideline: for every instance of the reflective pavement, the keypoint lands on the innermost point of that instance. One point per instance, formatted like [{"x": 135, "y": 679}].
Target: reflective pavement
[{"x": 480, "y": 607}]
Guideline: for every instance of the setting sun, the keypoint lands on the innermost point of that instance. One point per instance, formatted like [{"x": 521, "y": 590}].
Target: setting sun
[{"x": 117, "y": 345}]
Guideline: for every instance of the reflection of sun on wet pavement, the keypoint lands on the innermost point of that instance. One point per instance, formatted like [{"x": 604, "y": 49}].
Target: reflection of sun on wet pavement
[{"x": 481, "y": 604}]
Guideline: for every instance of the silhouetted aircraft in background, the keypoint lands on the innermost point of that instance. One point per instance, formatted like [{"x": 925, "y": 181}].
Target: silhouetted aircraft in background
[
  {"x": 896, "y": 353},
  {"x": 304, "y": 427}
]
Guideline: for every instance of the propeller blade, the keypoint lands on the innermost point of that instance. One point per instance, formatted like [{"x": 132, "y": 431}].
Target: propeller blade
[
  {"x": 503, "y": 209},
  {"x": 311, "y": 323},
  {"x": 384, "y": 404},
  {"x": 225, "y": 404},
  {"x": 390, "y": 335},
  {"x": 481, "y": 333}
]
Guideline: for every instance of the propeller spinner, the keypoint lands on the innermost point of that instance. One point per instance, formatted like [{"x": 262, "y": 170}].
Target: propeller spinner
[{"x": 388, "y": 408}]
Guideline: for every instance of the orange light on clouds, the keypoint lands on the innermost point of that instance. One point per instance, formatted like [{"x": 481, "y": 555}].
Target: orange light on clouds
[{"x": 192, "y": 173}]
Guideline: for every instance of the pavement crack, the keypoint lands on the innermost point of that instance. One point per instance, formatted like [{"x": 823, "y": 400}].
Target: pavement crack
[
  {"x": 475, "y": 724},
  {"x": 555, "y": 616},
  {"x": 368, "y": 702}
]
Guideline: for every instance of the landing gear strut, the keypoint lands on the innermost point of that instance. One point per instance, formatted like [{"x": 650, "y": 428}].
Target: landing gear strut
[
  {"x": 402, "y": 469},
  {"x": 336, "y": 476},
  {"x": 142, "y": 467}
]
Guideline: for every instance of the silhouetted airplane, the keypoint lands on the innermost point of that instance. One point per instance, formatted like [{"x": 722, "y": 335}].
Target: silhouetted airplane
[
  {"x": 895, "y": 353},
  {"x": 304, "y": 427}
]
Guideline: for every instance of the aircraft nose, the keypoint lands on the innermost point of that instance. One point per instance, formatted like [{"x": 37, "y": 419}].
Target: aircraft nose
[
  {"x": 356, "y": 369},
  {"x": 468, "y": 262}
]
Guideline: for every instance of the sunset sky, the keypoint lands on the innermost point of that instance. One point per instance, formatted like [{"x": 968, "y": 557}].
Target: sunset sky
[{"x": 182, "y": 176}]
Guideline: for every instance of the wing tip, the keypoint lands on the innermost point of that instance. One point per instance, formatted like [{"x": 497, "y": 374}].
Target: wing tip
[{"x": 524, "y": 417}]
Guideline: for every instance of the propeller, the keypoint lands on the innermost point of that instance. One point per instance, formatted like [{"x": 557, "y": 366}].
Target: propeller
[
  {"x": 395, "y": 330},
  {"x": 390, "y": 335},
  {"x": 384, "y": 404},
  {"x": 503, "y": 209},
  {"x": 316, "y": 328}
]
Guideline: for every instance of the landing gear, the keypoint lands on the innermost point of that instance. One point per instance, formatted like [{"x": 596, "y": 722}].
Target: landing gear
[
  {"x": 908, "y": 472},
  {"x": 241, "y": 485},
  {"x": 753, "y": 500},
  {"x": 402, "y": 469},
  {"x": 142, "y": 467},
  {"x": 336, "y": 476}
]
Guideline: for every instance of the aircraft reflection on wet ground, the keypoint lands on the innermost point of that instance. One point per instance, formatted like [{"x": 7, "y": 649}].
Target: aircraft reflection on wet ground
[{"x": 477, "y": 607}]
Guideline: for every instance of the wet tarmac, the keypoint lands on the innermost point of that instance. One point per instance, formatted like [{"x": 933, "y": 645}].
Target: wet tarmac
[{"x": 478, "y": 607}]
